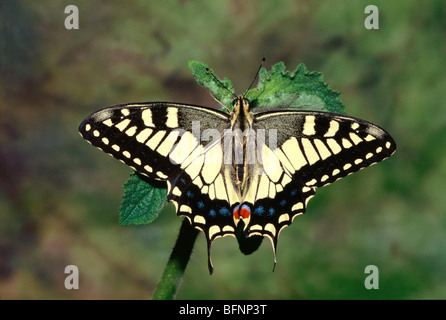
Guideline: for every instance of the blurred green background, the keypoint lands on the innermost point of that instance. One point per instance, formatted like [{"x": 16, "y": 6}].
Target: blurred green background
[{"x": 59, "y": 197}]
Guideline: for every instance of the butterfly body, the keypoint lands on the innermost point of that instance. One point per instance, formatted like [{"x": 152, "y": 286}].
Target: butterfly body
[{"x": 260, "y": 168}]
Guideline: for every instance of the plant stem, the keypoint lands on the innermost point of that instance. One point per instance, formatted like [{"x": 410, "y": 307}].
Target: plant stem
[{"x": 177, "y": 263}]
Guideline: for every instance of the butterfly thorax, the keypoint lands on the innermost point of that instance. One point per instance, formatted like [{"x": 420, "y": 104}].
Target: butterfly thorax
[{"x": 241, "y": 114}]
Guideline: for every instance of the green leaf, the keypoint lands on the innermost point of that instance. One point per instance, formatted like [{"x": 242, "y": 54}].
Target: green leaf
[
  {"x": 143, "y": 200},
  {"x": 300, "y": 89},
  {"x": 221, "y": 90}
]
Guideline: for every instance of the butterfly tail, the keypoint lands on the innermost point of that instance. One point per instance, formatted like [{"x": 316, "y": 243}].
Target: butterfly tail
[{"x": 210, "y": 266}]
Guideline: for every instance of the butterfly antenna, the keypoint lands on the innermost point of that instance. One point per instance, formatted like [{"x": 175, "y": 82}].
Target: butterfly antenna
[
  {"x": 221, "y": 83},
  {"x": 256, "y": 76}
]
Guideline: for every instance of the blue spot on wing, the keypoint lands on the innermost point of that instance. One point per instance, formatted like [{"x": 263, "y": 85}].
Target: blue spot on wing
[
  {"x": 282, "y": 203},
  {"x": 224, "y": 211},
  {"x": 200, "y": 204},
  {"x": 212, "y": 213},
  {"x": 259, "y": 210},
  {"x": 189, "y": 194},
  {"x": 271, "y": 211}
]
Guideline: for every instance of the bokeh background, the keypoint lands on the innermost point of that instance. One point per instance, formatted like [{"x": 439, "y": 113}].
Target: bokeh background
[{"x": 59, "y": 197}]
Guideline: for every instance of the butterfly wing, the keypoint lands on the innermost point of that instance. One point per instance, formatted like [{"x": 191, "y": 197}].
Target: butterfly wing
[
  {"x": 312, "y": 149},
  {"x": 180, "y": 144}
]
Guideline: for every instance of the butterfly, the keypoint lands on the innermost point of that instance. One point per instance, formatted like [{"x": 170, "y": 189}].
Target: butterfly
[{"x": 222, "y": 169}]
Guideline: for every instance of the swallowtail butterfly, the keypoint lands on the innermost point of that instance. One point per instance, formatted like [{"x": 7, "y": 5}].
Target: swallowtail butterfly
[{"x": 223, "y": 168}]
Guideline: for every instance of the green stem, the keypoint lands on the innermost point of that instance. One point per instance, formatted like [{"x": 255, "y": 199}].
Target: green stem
[{"x": 177, "y": 263}]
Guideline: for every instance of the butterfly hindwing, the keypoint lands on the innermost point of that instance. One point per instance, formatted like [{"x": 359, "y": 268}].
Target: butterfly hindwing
[
  {"x": 207, "y": 208},
  {"x": 312, "y": 149}
]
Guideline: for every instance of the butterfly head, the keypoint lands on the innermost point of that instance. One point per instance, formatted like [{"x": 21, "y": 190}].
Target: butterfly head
[{"x": 240, "y": 103}]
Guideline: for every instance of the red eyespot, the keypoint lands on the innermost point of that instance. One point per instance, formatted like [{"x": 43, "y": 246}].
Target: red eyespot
[{"x": 245, "y": 212}]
